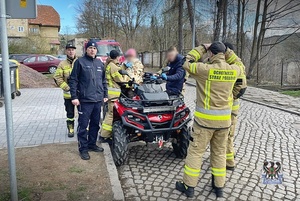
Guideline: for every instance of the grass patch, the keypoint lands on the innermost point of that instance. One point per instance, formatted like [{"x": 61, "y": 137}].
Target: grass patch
[
  {"x": 294, "y": 93},
  {"x": 75, "y": 170},
  {"x": 23, "y": 194}
]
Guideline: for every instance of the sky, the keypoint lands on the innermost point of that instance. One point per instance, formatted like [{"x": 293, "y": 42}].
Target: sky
[{"x": 67, "y": 12}]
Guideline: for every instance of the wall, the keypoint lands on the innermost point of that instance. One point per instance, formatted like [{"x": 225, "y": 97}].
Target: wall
[
  {"x": 17, "y": 28},
  {"x": 49, "y": 32}
]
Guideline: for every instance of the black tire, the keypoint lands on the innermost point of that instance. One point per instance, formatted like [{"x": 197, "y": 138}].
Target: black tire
[
  {"x": 1, "y": 104},
  {"x": 18, "y": 93},
  {"x": 182, "y": 144},
  {"x": 13, "y": 96},
  {"x": 119, "y": 147}
]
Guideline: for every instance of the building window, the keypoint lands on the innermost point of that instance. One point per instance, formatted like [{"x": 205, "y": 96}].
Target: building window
[
  {"x": 21, "y": 29},
  {"x": 34, "y": 30}
]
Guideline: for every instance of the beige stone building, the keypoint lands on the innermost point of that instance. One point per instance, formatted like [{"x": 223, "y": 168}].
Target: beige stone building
[{"x": 42, "y": 32}]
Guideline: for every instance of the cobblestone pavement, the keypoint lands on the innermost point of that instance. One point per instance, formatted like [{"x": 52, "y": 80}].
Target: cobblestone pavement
[
  {"x": 39, "y": 118},
  {"x": 263, "y": 133},
  {"x": 270, "y": 98}
]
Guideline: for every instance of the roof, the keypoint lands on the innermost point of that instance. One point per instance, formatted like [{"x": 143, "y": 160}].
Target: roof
[{"x": 46, "y": 16}]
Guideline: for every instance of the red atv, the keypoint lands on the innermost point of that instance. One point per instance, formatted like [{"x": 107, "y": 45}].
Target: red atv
[{"x": 148, "y": 114}]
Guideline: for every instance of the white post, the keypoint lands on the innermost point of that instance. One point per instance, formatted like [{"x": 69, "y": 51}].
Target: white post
[{"x": 8, "y": 104}]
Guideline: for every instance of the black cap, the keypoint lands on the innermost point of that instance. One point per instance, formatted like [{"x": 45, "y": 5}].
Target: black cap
[
  {"x": 114, "y": 54},
  {"x": 92, "y": 43},
  {"x": 70, "y": 46},
  {"x": 228, "y": 45},
  {"x": 217, "y": 47}
]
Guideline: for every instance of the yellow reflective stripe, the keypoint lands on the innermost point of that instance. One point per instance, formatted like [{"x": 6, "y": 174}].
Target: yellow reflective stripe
[
  {"x": 195, "y": 54},
  {"x": 207, "y": 94},
  {"x": 114, "y": 93},
  {"x": 191, "y": 171},
  {"x": 107, "y": 127},
  {"x": 212, "y": 117},
  {"x": 116, "y": 74},
  {"x": 67, "y": 95},
  {"x": 235, "y": 107},
  {"x": 231, "y": 58},
  {"x": 193, "y": 68},
  {"x": 218, "y": 172},
  {"x": 63, "y": 85},
  {"x": 230, "y": 156},
  {"x": 70, "y": 119}
]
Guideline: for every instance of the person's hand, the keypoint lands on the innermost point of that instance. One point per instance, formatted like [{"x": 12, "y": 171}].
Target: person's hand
[
  {"x": 164, "y": 76},
  {"x": 153, "y": 77},
  {"x": 75, "y": 102},
  {"x": 206, "y": 45},
  {"x": 128, "y": 65},
  {"x": 105, "y": 100}
]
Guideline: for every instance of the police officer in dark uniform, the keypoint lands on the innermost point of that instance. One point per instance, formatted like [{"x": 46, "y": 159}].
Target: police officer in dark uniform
[{"x": 88, "y": 89}]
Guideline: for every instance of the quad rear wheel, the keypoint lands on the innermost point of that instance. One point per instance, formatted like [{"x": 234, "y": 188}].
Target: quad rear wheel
[
  {"x": 182, "y": 143},
  {"x": 119, "y": 146}
]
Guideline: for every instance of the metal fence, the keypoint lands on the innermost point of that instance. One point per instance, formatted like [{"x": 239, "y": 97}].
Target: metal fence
[{"x": 283, "y": 73}]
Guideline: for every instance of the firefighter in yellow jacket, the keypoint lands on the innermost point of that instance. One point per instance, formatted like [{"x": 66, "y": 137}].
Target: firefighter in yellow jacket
[
  {"x": 61, "y": 78},
  {"x": 215, "y": 81},
  {"x": 238, "y": 90},
  {"x": 113, "y": 76}
]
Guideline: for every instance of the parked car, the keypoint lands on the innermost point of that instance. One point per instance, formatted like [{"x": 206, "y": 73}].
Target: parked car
[
  {"x": 18, "y": 57},
  {"x": 62, "y": 57},
  {"x": 42, "y": 63}
]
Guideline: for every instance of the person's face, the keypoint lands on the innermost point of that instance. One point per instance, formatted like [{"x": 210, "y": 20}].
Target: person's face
[
  {"x": 91, "y": 51},
  {"x": 70, "y": 52},
  {"x": 129, "y": 58},
  {"x": 171, "y": 56}
]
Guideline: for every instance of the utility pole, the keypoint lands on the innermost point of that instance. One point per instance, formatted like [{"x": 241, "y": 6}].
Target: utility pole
[
  {"x": 194, "y": 25},
  {"x": 8, "y": 104}
]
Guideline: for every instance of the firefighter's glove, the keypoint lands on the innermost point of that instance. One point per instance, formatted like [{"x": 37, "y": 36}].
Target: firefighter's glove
[
  {"x": 128, "y": 65},
  {"x": 153, "y": 77},
  {"x": 164, "y": 76}
]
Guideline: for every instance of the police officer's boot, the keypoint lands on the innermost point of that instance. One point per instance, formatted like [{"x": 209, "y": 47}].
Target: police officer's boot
[
  {"x": 187, "y": 190},
  {"x": 70, "y": 126},
  {"x": 218, "y": 191}
]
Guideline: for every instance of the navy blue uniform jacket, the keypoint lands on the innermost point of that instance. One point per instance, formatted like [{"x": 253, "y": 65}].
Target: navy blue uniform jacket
[
  {"x": 87, "y": 81},
  {"x": 175, "y": 76}
]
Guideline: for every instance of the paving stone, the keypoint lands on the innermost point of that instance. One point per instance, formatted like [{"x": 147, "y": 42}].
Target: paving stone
[{"x": 152, "y": 173}]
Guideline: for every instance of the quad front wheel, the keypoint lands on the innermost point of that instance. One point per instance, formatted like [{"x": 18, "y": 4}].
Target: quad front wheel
[
  {"x": 119, "y": 146},
  {"x": 182, "y": 143}
]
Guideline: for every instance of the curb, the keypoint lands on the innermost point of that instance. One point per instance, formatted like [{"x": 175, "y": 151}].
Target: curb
[
  {"x": 260, "y": 103},
  {"x": 113, "y": 174}
]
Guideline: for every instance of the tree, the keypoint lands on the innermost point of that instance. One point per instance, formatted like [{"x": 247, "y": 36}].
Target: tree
[
  {"x": 272, "y": 14},
  {"x": 191, "y": 18},
  {"x": 133, "y": 14},
  {"x": 218, "y": 20},
  {"x": 224, "y": 12},
  {"x": 180, "y": 25}
]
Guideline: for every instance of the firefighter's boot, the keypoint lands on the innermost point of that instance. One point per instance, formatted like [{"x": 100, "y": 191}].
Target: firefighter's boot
[
  {"x": 70, "y": 126},
  {"x": 218, "y": 191},
  {"x": 187, "y": 190}
]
